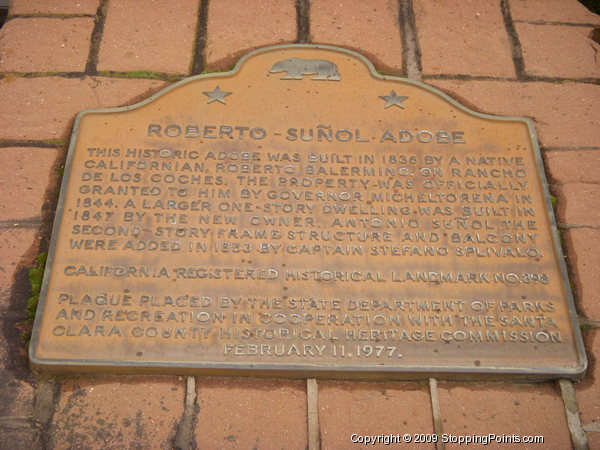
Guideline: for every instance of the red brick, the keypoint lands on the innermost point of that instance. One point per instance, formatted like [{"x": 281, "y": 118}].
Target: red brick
[
  {"x": 25, "y": 174},
  {"x": 13, "y": 357},
  {"x": 565, "y": 114},
  {"x": 18, "y": 250},
  {"x": 558, "y": 51},
  {"x": 158, "y": 36},
  {"x": 251, "y": 413},
  {"x": 588, "y": 391},
  {"x": 578, "y": 204},
  {"x": 53, "y": 7},
  {"x": 64, "y": 47},
  {"x": 372, "y": 409},
  {"x": 469, "y": 38},
  {"x": 118, "y": 412},
  {"x": 570, "y": 11},
  {"x": 235, "y": 28},
  {"x": 564, "y": 167},
  {"x": 43, "y": 108},
  {"x": 19, "y": 438},
  {"x": 584, "y": 259},
  {"x": 503, "y": 408},
  {"x": 371, "y": 28},
  {"x": 6, "y": 358},
  {"x": 16, "y": 396}
]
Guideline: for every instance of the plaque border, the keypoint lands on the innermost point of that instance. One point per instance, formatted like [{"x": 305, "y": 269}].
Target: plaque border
[{"x": 287, "y": 370}]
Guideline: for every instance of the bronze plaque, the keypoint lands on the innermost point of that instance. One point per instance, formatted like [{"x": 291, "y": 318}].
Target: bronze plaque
[{"x": 304, "y": 216}]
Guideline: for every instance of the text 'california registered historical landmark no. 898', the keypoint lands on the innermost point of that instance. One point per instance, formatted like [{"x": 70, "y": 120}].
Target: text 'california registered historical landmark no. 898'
[{"x": 305, "y": 216}]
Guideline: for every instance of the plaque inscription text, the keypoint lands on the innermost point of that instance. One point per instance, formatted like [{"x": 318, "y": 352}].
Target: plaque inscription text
[{"x": 303, "y": 216}]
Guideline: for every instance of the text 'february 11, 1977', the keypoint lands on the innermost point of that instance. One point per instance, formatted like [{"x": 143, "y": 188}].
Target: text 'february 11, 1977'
[{"x": 304, "y": 216}]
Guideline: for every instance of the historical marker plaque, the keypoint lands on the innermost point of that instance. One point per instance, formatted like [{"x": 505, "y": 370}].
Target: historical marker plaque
[{"x": 304, "y": 216}]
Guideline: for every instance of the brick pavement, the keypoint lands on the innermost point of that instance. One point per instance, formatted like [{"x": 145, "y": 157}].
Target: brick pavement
[{"x": 532, "y": 58}]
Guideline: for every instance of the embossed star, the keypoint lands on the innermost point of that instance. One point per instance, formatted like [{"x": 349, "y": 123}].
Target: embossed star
[
  {"x": 393, "y": 99},
  {"x": 216, "y": 95}
]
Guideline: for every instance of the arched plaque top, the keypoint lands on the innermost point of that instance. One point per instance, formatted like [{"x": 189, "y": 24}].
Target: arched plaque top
[
  {"x": 317, "y": 85},
  {"x": 281, "y": 77}
]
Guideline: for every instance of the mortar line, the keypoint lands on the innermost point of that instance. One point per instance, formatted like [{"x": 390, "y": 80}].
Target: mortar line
[
  {"x": 45, "y": 74},
  {"x": 11, "y": 315},
  {"x": 184, "y": 436},
  {"x": 16, "y": 422},
  {"x": 586, "y": 80},
  {"x": 437, "y": 413},
  {"x": 526, "y": 78},
  {"x": 198, "y": 64},
  {"x": 584, "y": 321},
  {"x": 554, "y": 183},
  {"x": 162, "y": 76},
  {"x": 411, "y": 51},
  {"x": 312, "y": 400},
  {"x": 91, "y": 67},
  {"x": 578, "y": 435},
  {"x": 47, "y": 397},
  {"x": 47, "y": 16},
  {"x": 440, "y": 76},
  {"x": 31, "y": 143},
  {"x": 29, "y": 222},
  {"x": 549, "y": 22},
  {"x": 302, "y": 21},
  {"x": 403, "y": 38},
  {"x": 573, "y": 226},
  {"x": 513, "y": 38},
  {"x": 458, "y": 76},
  {"x": 569, "y": 148}
]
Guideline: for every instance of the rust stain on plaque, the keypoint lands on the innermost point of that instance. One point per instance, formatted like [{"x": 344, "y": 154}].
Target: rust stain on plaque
[{"x": 304, "y": 216}]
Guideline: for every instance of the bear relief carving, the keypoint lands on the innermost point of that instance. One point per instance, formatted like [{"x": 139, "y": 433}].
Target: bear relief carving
[{"x": 296, "y": 68}]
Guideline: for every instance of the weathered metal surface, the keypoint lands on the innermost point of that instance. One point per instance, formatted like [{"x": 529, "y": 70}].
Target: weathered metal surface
[{"x": 305, "y": 216}]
